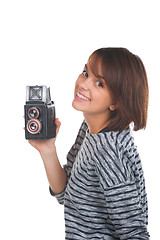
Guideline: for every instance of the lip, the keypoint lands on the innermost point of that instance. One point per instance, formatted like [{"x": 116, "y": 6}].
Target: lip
[{"x": 80, "y": 99}]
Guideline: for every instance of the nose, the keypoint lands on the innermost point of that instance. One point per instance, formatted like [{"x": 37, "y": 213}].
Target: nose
[{"x": 86, "y": 84}]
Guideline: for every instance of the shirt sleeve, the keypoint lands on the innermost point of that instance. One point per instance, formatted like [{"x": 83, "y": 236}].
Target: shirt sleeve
[
  {"x": 125, "y": 211},
  {"x": 123, "y": 191},
  {"x": 59, "y": 196}
]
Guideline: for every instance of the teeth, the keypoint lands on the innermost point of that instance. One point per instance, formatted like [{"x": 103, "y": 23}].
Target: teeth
[{"x": 82, "y": 97}]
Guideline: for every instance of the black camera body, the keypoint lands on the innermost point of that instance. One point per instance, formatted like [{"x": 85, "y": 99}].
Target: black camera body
[{"x": 39, "y": 113}]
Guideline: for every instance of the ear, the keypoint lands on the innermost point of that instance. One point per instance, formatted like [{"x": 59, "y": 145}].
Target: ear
[{"x": 113, "y": 107}]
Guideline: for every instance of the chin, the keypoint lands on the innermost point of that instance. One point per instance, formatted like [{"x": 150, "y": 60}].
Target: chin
[{"x": 75, "y": 105}]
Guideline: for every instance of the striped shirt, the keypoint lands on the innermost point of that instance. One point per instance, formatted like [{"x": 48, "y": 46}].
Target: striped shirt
[{"x": 105, "y": 195}]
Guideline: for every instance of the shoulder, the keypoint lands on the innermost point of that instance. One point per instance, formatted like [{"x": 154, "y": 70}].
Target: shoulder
[
  {"x": 114, "y": 141},
  {"x": 110, "y": 144},
  {"x": 110, "y": 154},
  {"x": 122, "y": 139}
]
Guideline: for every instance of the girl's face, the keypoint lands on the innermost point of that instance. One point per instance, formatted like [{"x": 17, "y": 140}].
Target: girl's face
[{"x": 91, "y": 94}]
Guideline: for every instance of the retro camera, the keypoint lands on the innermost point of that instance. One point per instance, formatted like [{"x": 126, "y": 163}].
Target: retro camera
[{"x": 39, "y": 113}]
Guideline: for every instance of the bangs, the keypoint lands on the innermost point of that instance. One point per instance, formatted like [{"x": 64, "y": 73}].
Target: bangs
[{"x": 95, "y": 64}]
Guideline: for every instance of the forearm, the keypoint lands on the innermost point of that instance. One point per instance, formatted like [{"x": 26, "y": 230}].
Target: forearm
[{"x": 55, "y": 173}]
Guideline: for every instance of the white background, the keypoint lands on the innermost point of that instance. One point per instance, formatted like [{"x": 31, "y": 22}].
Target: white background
[{"x": 48, "y": 42}]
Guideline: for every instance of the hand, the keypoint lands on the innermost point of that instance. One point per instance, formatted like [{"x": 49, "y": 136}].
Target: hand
[{"x": 45, "y": 146}]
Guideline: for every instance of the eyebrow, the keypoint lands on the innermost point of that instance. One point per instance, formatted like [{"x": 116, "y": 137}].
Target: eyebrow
[{"x": 98, "y": 76}]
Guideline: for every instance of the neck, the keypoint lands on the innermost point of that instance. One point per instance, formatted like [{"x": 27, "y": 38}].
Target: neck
[{"x": 96, "y": 123}]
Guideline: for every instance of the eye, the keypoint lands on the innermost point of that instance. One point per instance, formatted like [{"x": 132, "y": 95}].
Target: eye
[
  {"x": 99, "y": 84},
  {"x": 85, "y": 73}
]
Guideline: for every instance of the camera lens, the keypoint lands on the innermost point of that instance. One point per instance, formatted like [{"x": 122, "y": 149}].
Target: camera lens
[
  {"x": 33, "y": 113},
  {"x": 34, "y": 126}
]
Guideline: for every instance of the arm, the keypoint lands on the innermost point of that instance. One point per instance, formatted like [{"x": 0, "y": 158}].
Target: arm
[{"x": 55, "y": 173}]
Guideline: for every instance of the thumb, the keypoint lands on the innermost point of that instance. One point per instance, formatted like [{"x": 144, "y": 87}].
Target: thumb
[{"x": 58, "y": 124}]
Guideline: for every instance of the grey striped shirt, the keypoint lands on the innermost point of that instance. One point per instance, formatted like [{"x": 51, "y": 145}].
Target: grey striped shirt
[{"x": 105, "y": 195}]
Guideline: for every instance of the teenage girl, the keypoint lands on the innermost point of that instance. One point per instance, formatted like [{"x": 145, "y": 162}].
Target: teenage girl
[{"x": 102, "y": 185}]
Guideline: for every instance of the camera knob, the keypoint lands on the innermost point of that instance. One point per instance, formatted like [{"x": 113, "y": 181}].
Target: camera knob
[
  {"x": 34, "y": 126},
  {"x": 33, "y": 113}
]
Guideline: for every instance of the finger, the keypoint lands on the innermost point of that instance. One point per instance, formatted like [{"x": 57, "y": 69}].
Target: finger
[{"x": 58, "y": 123}]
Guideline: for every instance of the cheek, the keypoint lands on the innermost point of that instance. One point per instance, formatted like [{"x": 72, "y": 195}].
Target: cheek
[{"x": 102, "y": 99}]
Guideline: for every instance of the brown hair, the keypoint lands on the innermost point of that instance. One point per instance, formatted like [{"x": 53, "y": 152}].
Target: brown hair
[{"x": 126, "y": 78}]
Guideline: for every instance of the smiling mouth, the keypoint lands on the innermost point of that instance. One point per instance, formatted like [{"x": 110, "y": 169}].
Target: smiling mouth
[{"x": 80, "y": 96}]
